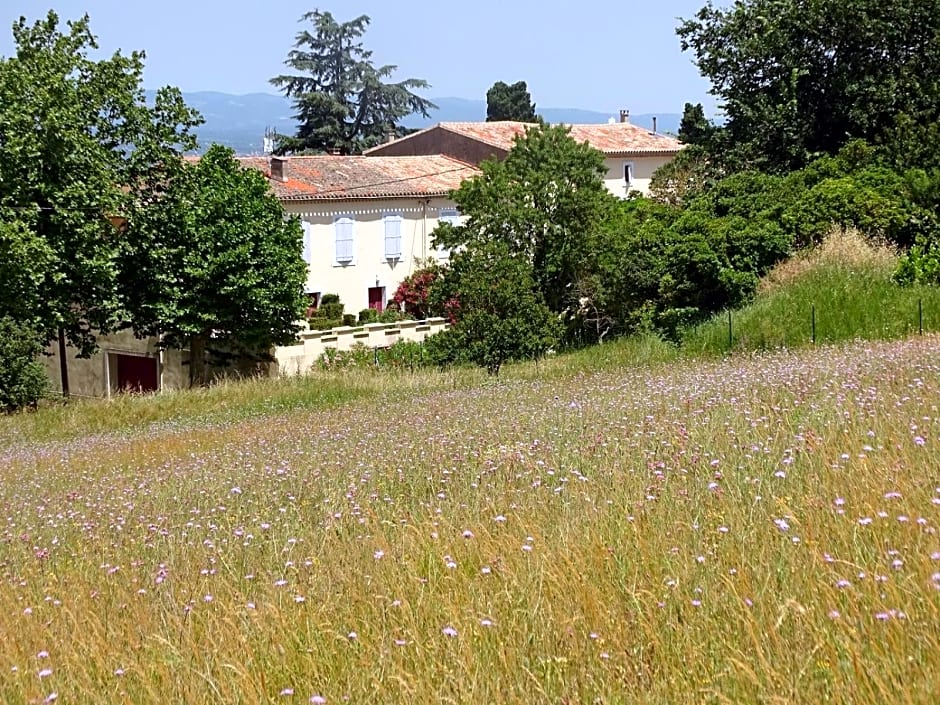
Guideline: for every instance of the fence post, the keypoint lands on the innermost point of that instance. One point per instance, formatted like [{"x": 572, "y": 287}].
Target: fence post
[
  {"x": 813, "y": 315},
  {"x": 730, "y": 332},
  {"x": 920, "y": 316}
]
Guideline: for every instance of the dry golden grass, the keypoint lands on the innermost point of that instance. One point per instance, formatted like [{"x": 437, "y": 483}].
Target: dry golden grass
[
  {"x": 759, "y": 529},
  {"x": 842, "y": 249}
]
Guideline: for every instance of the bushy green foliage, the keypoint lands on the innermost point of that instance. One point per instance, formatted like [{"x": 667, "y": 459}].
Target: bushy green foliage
[
  {"x": 368, "y": 315},
  {"x": 213, "y": 259},
  {"x": 921, "y": 264},
  {"x": 78, "y": 144},
  {"x": 799, "y": 79},
  {"x": 401, "y": 355},
  {"x": 510, "y": 102},
  {"x": 497, "y": 310},
  {"x": 328, "y": 315},
  {"x": 546, "y": 203},
  {"x": 23, "y": 381}
]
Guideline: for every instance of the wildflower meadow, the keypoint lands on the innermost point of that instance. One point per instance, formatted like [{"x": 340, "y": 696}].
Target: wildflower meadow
[{"x": 756, "y": 529}]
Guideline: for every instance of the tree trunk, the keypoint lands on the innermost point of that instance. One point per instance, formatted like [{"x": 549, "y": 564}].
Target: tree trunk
[
  {"x": 197, "y": 360},
  {"x": 63, "y": 364}
]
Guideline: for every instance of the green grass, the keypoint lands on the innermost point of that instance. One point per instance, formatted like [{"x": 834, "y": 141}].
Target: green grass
[{"x": 849, "y": 284}]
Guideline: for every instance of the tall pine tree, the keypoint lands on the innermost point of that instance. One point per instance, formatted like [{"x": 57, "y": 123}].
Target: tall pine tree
[{"x": 343, "y": 101}]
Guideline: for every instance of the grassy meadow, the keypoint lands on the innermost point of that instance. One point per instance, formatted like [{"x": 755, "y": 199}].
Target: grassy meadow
[{"x": 761, "y": 528}]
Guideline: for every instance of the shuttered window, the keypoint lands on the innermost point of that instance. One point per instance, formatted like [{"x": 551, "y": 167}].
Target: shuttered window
[
  {"x": 343, "y": 227},
  {"x": 447, "y": 215},
  {"x": 308, "y": 244},
  {"x": 392, "y": 235}
]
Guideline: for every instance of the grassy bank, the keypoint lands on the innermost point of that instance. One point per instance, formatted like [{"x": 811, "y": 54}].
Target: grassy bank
[
  {"x": 848, "y": 283},
  {"x": 645, "y": 536}
]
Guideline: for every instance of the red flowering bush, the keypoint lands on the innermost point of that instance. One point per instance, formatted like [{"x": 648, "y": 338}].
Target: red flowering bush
[{"x": 413, "y": 295}]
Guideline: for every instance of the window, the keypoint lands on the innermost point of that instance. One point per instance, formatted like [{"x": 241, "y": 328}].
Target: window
[
  {"x": 451, "y": 216},
  {"x": 628, "y": 174},
  {"x": 343, "y": 227},
  {"x": 308, "y": 241},
  {"x": 392, "y": 235}
]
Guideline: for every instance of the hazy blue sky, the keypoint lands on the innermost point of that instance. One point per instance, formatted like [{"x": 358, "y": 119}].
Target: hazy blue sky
[{"x": 593, "y": 54}]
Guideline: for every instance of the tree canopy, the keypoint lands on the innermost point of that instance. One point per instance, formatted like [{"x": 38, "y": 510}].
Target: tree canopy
[
  {"x": 78, "y": 144},
  {"x": 505, "y": 102},
  {"x": 213, "y": 261},
  {"x": 342, "y": 100},
  {"x": 546, "y": 201},
  {"x": 798, "y": 79}
]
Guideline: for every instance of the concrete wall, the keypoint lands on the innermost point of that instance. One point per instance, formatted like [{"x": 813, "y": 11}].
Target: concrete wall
[
  {"x": 369, "y": 266},
  {"x": 97, "y": 376},
  {"x": 300, "y": 358},
  {"x": 643, "y": 168}
]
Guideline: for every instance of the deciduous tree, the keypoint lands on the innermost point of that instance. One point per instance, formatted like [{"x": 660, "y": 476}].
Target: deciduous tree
[
  {"x": 77, "y": 143},
  {"x": 546, "y": 202},
  {"x": 213, "y": 262},
  {"x": 497, "y": 311},
  {"x": 799, "y": 78},
  {"x": 342, "y": 100}
]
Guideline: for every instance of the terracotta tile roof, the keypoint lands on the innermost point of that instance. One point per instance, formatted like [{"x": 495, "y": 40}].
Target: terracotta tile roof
[
  {"x": 613, "y": 139},
  {"x": 330, "y": 177}
]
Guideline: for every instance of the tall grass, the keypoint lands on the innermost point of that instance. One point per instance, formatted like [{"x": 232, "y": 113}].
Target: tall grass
[
  {"x": 645, "y": 536},
  {"x": 847, "y": 281}
]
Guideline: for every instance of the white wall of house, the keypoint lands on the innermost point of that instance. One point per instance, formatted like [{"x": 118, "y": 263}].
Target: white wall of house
[
  {"x": 640, "y": 170},
  {"x": 365, "y": 248}
]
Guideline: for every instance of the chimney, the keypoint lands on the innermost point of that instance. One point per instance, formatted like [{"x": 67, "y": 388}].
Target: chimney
[
  {"x": 279, "y": 169},
  {"x": 654, "y": 124},
  {"x": 624, "y": 116},
  {"x": 389, "y": 136}
]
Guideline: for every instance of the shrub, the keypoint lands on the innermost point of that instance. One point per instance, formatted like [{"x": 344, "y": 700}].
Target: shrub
[
  {"x": 329, "y": 314},
  {"x": 349, "y": 319},
  {"x": 358, "y": 356},
  {"x": 404, "y": 354},
  {"x": 368, "y": 315},
  {"x": 23, "y": 381},
  {"x": 413, "y": 295}
]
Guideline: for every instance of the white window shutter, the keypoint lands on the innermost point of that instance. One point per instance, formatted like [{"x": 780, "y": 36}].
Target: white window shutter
[
  {"x": 392, "y": 236},
  {"x": 308, "y": 241},
  {"x": 344, "y": 238}
]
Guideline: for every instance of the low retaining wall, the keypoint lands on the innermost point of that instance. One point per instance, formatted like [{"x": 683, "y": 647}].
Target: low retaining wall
[{"x": 299, "y": 358}]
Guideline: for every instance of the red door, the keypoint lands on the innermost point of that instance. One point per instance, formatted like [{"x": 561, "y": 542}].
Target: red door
[
  {"x": 377, "y": 298},
  {"x": 136, "y": 373}
]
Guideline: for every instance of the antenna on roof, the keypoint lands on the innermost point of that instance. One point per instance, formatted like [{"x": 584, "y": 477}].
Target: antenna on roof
[{"x": 270, "y": 135}]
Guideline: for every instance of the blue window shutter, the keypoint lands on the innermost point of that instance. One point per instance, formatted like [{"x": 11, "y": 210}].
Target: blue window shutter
[
  {"x": 392, "y": 236},
  {"x": 344, "y": 238}
]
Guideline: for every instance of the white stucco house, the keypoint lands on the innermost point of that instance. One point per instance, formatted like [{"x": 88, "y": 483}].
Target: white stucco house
[
  {"x": 631, "y": 153},
  {"x": 367, "y": 220}
]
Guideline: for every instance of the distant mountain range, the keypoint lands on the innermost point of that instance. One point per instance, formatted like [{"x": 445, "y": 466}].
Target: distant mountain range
[{"x": 240, "y": 121}]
